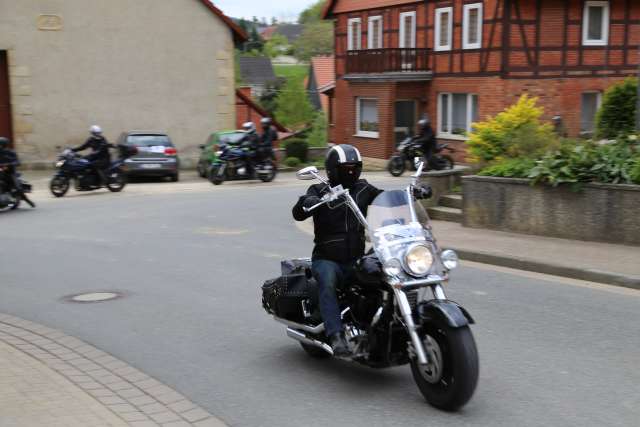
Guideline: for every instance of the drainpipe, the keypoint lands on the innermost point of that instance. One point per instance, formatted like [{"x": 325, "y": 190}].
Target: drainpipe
[{"x": 638, "y": 95}]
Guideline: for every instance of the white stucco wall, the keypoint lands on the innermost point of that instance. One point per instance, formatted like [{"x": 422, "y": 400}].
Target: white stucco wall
[{"x": 164, "y": 65}]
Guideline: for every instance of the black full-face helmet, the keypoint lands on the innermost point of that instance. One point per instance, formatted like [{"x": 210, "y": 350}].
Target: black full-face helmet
[
  {"x": 4, "y": 142},
  {"x": 344, "y": 165}
]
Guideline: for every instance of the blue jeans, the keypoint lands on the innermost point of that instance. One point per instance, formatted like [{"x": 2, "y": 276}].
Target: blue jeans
[{"x": 330, "y": 275}]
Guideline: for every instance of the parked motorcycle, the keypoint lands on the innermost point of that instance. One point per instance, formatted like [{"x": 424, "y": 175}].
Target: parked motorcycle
[
  {"x": 232, "y": 163},
  {"x": 13, "y": 189},
  {"x": 71, "y": 166},
  {"x": 407, "y": 150},
  {"x": 396, "y": 311}
]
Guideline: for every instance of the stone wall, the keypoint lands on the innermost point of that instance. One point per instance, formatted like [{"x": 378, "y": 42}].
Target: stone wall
[{"x": 600, "y": 212}]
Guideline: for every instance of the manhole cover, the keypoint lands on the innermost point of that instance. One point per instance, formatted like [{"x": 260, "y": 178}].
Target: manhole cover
[{"x": 94, "y": 297}]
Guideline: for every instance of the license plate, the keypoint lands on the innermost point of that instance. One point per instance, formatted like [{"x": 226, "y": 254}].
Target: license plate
[{"x": 151, "y": 166}]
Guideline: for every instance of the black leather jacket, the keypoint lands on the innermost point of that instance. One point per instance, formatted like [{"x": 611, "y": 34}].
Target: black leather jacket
[
  {"x": 339, "y": 236},
  {"x": 427, "y": 140},
  {"x": 9, "y": 157},
  {"x": 99, "y": 149},
  {"x": 268, "y": 137}
]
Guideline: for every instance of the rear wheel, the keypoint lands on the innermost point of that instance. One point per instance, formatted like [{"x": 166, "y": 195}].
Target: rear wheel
[
  {"x": 396, "y": 165},
  {"x": 14, "y": 204},
  {"x": 59, "y": 186},
  {"x": 315, "y": 352},
  {"x": 268, "y": 177},
  {"x": 215, "y": 176},
  {"x": 447, "y": 162},
  {"x": 175, "y": 177},
  {"x": 202, "y": 172},
  {"x": 116, "y": 181},
  {"x": 450, "y": 378}
]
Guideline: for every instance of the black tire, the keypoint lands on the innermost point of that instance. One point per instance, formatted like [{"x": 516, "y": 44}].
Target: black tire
[
  {"x": 214, "y": 177},
  {"x": 315, "y": 352},
  {"x": 451, "y": 387},
  {"x": 396, "y": 165},
  {"x": 447, "y": 162},
  {"x": 14, "y": 205},
  {"x": 116, "y": 181},
  {"x": 202, "y": 172},
  {"x": 59, "y": 185},
  {"x": 269, "y": 177},
  {"x": 175, "y": 177}
]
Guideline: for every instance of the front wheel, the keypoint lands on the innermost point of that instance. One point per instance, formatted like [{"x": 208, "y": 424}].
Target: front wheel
[
  {"x": 216, "y": 176},
  {"x": 268, "y": 177},
  {"x": 450, "y": 378},
  {"x": 59, "y": 186},
  {"x": 396, "y": 165},
  {"x": 447, "y": 162},
  {"x": 116, "y": 181}
]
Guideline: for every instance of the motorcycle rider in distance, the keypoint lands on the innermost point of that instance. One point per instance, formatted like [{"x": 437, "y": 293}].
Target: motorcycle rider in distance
[
  {"x": 250, "y": 144},
  {"x": 426, "y": 138},
  {"x": 339, "y": 236},
  {"x": 268, "y": 137},
  {"x": 8, "y": 157},
  {"x": 100, "y": 158}
]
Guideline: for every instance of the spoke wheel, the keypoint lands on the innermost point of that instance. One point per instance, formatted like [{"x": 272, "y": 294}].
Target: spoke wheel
[{"x": 116, "y": 181}]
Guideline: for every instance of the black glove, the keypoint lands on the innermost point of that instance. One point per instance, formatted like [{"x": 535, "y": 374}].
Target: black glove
[
  {"x": 310, "y": 201},
  {"x": 422, "y": 191}
]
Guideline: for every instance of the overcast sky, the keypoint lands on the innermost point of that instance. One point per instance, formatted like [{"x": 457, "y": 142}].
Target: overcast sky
[{"x": 281, "y": 9}]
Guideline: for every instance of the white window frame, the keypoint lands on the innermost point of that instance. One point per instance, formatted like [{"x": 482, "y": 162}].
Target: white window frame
[
  {"x": 598, "y": 105},
  {"x": 465, "y": 28},
  {"x": 375, "y": 20},
  {"x": 350, "y": 34},
  {"x": 440, "y": 11},
  {"x": 448, "y": 134},
  {"x": 366, "y": 133},
  {"x": 403, "y": 30},
  {"x": 605, "y": 23}
]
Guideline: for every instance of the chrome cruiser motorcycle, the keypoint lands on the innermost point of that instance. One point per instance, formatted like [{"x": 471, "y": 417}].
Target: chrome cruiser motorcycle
[{"x": 395, "y": 311}]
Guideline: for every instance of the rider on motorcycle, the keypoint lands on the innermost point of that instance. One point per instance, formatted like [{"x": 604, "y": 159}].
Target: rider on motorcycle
[
  {"x": 100, "y": 159},
  {"x": 339, "y": 236},
  {"x": 8, "y": 157},
  {"x": 268, "y": 137},
  {"x": 250, "y": 144},
  {"x": 426, "y": 138}
]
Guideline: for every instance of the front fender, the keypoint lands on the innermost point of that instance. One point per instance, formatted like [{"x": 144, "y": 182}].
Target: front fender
[{"x": 450, "y": 312}]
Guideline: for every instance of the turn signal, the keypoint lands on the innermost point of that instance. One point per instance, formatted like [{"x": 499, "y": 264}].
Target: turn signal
[{"x": 170, "y": 151}]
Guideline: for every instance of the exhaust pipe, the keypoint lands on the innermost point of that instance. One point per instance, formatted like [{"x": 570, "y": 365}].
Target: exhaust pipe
[
  {"x": 293, "y": 325},
  {"x": 299, "y": 336}
]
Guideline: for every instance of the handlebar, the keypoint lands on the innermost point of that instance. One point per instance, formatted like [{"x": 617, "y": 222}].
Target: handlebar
[{"x": 335, "y": 192}]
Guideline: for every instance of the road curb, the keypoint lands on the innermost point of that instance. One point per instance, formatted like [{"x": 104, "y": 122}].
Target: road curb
[
  {"x": 520, "y": 263},
  {"x": 129, "y": 394}
]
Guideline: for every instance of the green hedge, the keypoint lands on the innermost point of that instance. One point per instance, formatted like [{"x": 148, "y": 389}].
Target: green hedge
[{"x": 297, "y": 148}]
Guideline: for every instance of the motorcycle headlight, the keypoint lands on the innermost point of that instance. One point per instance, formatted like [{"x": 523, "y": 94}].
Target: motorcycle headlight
[
  {"x": 449, "y": 259},
  {"x": 219, "y": 153},
  {"x": 418, "y": 260},
  {"x": 59, "y": 163},
  {"x": 393, "y": 267}
]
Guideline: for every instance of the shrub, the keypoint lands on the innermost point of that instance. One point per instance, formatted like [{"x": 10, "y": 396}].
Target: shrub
[
  {"x": 515, "y": 132},
  {"x": 634, "y": 173},
  {"x": 292, "y": 162},
  {"x": 318, "y": 135},
  {"x": 297, "y": 148},
  {"x": 511, "y": 168},
  {"x": 617, "y": 114}
]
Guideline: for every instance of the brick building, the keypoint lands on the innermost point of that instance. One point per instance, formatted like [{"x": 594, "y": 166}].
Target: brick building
[{"x": 459, "y": 61}]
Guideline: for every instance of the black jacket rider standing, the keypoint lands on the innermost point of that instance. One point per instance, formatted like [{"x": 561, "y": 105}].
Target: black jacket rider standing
[{"x": 100, "y": 158}]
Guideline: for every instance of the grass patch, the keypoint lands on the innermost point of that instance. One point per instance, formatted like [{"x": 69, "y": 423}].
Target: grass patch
[{"x": 294, "y": 72}]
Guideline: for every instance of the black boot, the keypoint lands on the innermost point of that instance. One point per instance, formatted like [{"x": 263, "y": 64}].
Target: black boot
[{"x": 339, "y": 345}]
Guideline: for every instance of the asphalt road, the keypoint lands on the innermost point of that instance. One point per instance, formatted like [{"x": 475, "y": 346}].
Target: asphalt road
[{"x": 190, "y": 259}]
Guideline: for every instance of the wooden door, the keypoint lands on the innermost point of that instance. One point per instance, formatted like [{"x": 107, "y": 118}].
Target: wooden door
[{"x": 5, "y": 98}]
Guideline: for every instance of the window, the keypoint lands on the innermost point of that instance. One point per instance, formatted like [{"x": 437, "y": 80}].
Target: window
[
  {"x": 375, "y": 32},
  {"x": 408, "y": 30},
  {"x": 367, "y": 117},
  {"x": 472, "y": 26},
  {"x": 444, "y": 28},
  {"x": 456, "y": 113},
  {"x": 595, "y": 23},
  {"x": 590, "y": 104},
  {"x": 355, "y": 34}
]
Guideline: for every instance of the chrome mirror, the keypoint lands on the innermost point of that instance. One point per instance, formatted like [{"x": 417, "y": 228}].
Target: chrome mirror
[
  {"x": 417, "y": 161},
  {"x": 310, "y": 172}
]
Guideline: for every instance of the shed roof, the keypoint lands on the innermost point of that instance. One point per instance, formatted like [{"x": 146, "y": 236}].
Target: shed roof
[{"x": 256, "y": 70}]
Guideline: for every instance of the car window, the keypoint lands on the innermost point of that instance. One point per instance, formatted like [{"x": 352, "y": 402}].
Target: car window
[{"x": 149, "y": 140}]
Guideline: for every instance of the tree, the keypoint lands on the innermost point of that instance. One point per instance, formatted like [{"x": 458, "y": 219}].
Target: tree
[
  {"x": 316, "y": 39},
  {"x": 617, "y": 114},
  {"x": 293, "y": 108},
  {"x": 312, "y": 14},
  {"x": 274, "y": 20},
  {"x": 277, "y": 45},
  {"x": 318, "y": 135},
  {"x": 268, "y": 99}
]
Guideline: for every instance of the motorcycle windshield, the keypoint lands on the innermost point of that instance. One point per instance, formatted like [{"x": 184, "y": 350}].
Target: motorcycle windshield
[{"x": 394, "y": 208}]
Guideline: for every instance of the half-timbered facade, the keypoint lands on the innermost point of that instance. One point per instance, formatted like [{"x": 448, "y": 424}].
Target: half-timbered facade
[{"x": 459, "y": 61}]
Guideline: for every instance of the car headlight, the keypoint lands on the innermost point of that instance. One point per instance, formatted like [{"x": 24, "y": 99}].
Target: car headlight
[
  {"x": 418, "y": 260},
  {"x": 449, "y": 259}
]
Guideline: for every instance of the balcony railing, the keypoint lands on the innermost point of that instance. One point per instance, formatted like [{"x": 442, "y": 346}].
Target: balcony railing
[{"x": 393, "y": 60}]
